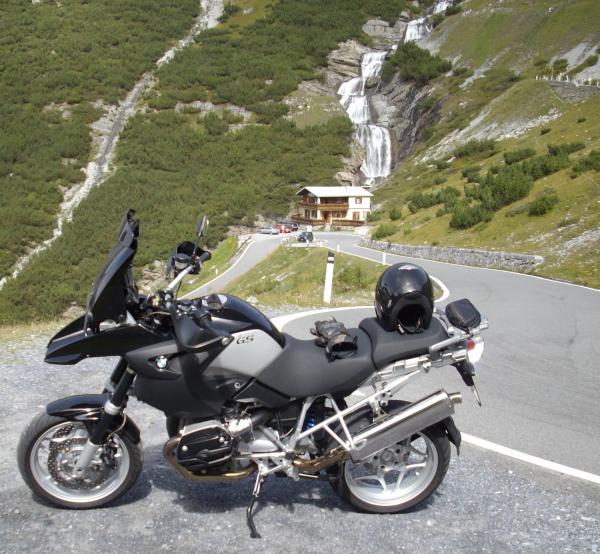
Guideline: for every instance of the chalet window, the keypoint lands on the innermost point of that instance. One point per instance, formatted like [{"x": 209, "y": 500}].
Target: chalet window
[
  {"x": 313, "y": 214},
  {"x": 358, "y": 200},
  {"x": 356, "y": 216}
]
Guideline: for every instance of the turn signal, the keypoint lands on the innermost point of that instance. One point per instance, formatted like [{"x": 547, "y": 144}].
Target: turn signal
[{"x": 470, "y": 344}]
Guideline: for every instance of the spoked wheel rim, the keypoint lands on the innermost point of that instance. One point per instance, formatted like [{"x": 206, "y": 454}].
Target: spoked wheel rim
[
  {"x": 395, "y": 475},
  {"x": 53, "y": 458}
]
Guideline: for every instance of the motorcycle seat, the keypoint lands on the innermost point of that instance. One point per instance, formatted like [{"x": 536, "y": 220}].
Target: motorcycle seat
[
  {"x": 391, "y": 346},
  {"x": 303, "y": 370}
]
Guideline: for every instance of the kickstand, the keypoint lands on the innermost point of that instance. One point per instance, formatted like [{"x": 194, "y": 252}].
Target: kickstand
[{"x": 255, "y": 493}]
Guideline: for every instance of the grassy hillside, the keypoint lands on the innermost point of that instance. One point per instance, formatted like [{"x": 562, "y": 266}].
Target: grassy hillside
[
  {"x": 489, "y": 173},
  {"x": 57, "y": 60},
  {"x": 517, "y": 34},
  {"x": 512, "y": 227}
]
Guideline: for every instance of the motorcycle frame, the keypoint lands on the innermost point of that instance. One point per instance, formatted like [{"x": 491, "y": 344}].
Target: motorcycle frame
[{"x": 439, "y": 355}]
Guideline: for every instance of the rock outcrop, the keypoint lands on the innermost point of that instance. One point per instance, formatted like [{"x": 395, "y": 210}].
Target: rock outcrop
[
  {"x": 385, "y": 34},
  {"x": 398, "y": 106},
  {"x": 343, "y": 63}
]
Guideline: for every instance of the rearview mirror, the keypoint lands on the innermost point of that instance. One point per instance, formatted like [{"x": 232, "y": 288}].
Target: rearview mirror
[{"x": 201, "y": 226}]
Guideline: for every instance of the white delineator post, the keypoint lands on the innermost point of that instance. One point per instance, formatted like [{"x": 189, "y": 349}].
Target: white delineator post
[
  {"x": 328, "y": 278},
  {"x": 383, "y": 259}
]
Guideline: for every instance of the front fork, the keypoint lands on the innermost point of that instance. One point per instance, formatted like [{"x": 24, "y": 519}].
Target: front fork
[{"x": 121, "y": 379}]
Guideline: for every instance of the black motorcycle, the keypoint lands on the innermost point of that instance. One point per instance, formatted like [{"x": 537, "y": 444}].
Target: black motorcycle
[{"x": 241, "y": 397}]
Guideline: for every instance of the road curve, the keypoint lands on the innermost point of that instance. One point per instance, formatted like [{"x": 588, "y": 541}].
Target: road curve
[{"x": 540, "y": 375}]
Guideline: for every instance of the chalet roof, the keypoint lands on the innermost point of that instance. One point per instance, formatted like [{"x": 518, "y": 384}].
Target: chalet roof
[{"x": 335, "y": 192}]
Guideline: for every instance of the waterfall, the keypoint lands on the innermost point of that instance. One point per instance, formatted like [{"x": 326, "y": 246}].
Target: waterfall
[
  {"x": 378, "y": 151},
  {"x": 374, "y": 139},
  {"x": 417, "y": 29},
  {"x": 441, "y": 6}
]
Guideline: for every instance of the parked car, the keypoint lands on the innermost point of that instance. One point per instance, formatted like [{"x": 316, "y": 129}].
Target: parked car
[
  {"x": 306, "y": 236},
  {"x": 269, "y": 231},
  {"x": 286, "y": 227}
]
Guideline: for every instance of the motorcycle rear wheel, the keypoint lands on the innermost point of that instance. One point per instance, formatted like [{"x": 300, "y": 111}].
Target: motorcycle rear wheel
[
  {"x": 399, "y": 477},
  {"x": 47, "y": 453}
]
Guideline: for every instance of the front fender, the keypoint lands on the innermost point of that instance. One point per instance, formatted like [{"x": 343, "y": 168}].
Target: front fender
[{"x": 88, "y": 408}]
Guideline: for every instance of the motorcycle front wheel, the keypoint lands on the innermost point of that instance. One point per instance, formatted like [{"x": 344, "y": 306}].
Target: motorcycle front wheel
[
  {"x": 48, "y": 451},
  {"x": 399, "y": 477}
]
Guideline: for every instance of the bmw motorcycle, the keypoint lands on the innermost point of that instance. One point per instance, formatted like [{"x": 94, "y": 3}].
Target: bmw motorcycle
[{"x": 241, "y": 398}]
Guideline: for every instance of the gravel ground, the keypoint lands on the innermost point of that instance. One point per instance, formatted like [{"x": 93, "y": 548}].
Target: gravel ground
[{"x": 486, "y": 504}]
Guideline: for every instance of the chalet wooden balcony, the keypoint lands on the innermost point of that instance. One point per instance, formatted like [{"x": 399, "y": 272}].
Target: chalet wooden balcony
[
  {"x": 324, "y": 205},
  {"x": 334, "y": 222}
]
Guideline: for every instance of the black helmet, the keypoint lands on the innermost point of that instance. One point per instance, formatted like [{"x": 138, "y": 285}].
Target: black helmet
[{"x": 404, "y": 298}]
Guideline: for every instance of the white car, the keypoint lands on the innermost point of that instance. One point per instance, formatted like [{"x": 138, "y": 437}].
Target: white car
[{"x": 269, "y": 231}]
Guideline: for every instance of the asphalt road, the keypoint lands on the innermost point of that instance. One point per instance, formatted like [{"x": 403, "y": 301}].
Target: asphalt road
[{"x": 540, "y": 375}]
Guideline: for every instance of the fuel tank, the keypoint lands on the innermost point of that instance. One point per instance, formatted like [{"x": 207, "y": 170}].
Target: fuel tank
[{"x": 234, "y": 315}]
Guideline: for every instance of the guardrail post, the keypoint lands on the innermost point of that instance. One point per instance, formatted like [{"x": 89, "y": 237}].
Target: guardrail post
[{"x": 328, "y": 278}]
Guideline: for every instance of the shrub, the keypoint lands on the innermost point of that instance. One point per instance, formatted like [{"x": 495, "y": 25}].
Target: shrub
[
  {"x": 427, "y": 103},
  {"x": 374, "y": 216},
  {"x": 589, "y": 163},
  {"x": 437, "y": 19},
  {"x": 214, "y": 125},
  {"x": 440, "y": 180},
  {"x": 541, "y": 166},
  {"x": 414, "y": 64},
  {"x": 419, "y": 200},
  {"x": 565, "y": 148},
  {"x": 581, "y": 119},
  {"x": 476, "y": 147},
  {"x": 471, "y": 173},
  {"x": 518, "y": 155},
  {"x": 545, "y": 130},
  {"x": 426, "y": 133},
  {"x": 560, "y": 65},
  {"x": 384, "y": 230},
  {"x": 469, "y": 216},
  {"x": 395, "y": 213},
  {"x": 453, "y": 10},
  {"x": 442, "y": 164},
  {"x": 460, "y": 71},
  {"x": 543, "y": 203},
  {"x": 507, "y": 186},
  {"x": 229, "y": 10},
  {"x": 352, "y": 277}
]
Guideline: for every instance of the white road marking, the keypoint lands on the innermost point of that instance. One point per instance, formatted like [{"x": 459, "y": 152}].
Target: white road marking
[
  {"x": 248, "y": 245},
  {"x": 283, "y": 320},
  {"x": 528, "y": 458}
]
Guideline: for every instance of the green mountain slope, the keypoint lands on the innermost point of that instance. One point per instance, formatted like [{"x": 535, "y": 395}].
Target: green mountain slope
[
  {"x": 174, "y": 161},
  {"x": 556, "y": 213},
  {"x": 58, "y": 60}
]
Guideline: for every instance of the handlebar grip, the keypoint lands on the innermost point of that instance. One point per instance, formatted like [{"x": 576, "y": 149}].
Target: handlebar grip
[{"x": 205, "y": 256}]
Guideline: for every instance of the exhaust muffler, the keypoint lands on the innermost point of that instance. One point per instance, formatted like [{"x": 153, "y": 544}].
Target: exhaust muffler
[{"x": 401, "y": 425}]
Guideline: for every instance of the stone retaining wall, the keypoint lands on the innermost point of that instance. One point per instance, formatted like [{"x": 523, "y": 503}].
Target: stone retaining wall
[
  {"x": 572, "y": 93},
  {"x": 463, "y": 256}
]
